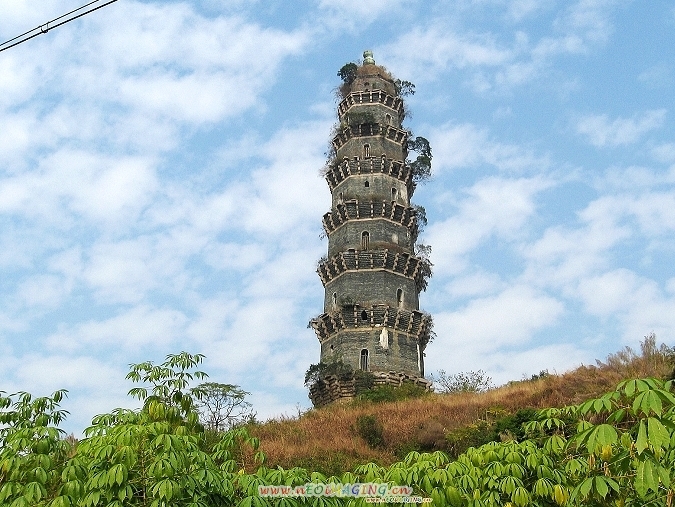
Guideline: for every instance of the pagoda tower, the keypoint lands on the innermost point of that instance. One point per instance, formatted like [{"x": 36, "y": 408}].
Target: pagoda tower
[{"x": 371, "y": 276}]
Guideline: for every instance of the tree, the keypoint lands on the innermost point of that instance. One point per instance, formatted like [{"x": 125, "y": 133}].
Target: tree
[
  {"x": 463, "y": 382},
  {"x": 153, "y": 457},
  {"x": 32, "y": 450},
  {"x": 319, "y": 371},
  {"x": 222, "y": 406},
  {"x": 421, "y": 166},
  {"x": 404, "y": 88},
  {"x": 348, "y": 73}
]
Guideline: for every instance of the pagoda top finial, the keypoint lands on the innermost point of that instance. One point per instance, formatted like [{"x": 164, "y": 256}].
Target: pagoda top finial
[{"x": 368, "y": 57}]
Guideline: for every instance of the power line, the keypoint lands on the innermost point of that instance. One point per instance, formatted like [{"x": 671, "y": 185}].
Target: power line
[{"x": 56, "y": 22}]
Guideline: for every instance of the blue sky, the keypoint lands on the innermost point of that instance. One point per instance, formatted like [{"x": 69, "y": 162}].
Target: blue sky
[{"x": 160, "y": 185}]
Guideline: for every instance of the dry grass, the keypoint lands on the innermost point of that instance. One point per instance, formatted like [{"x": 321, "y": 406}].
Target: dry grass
[{"x": 326, "y": 439}]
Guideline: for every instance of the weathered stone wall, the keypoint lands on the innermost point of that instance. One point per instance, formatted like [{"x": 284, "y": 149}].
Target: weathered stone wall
[
  {"x": 342, "y": 169},
  {"x": 362, "y": 287},
  {"x": 387, "y": 349},
  {"x": 333, "y": 389},
  {"x": 382, "y": 114},
  {"x": 390, "y": 103},
  {"x": 351, "y": 142},
  {"x": 382, "y": 234},
  {"x": 379, "y": 189}
]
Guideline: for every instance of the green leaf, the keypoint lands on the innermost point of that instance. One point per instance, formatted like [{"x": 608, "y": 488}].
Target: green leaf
[
  {"x": 543, "y": 487},
  {"x": 648, "y": 402},
  {"x": 646, "y": 478},
  {"x": 438, "y": 496},
  {"x": 520, "y": 497},
  {"x": 617, "y": 416},
  {"x": 659, "y": 436},
  {"x": 629, "y": 387},
  {"x": 601, "y": 435},
  {"x": 601, "y": 486},
  {"x": 586, "y": 486},
  {"x": 453, "y": 496},
  {"x": 642, "y": 442}
]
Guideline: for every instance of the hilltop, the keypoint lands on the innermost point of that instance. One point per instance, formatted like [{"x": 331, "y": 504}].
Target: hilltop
[{"x": 331, "y": 439}]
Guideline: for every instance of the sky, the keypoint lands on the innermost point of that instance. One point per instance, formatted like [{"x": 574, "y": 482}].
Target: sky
[{"x": 161, "y": 189}]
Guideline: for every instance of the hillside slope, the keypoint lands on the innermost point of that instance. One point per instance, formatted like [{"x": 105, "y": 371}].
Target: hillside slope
[{"x": 328, "y": 440}]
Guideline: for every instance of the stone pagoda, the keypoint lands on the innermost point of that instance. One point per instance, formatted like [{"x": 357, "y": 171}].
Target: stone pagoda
[{"x": 372, "y": 278}]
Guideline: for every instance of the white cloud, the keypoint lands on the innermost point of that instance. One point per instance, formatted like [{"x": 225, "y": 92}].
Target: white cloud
[
  {"x": 487, "y": 325},
  {"x": 431, "y": 50},
  {"x": 132, "y": 329},
  {"x": 490, "y": 61},
  {"x": 601, "y": 131},
  {"x": 561, "y": 257},
  {"x": 589, "y": 18},
  {"x": 519, "y": 9},
  {"x": 665, "y": 153},
  {"x": 633, "y": 179},
  {"x": 351, "y": 14},
  {"x": 493, "y": 206},
  {"x": 480, "y": 283},
  {"x": 42, "y": 291},
  {"x": 42, "y": 374},
  {"x": 122, "y": 271},
  {"x": 147, "y": 70},
  {"x": 636, "y": 302},
  {"x": 465, "y": 145},
  {"x": 657, "y": 76},
  {"x": 554, "y": 358}
]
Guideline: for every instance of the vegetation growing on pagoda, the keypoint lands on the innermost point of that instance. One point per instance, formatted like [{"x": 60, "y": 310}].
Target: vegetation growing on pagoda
[
  {"x": 420, "y": 165},
  {"x": 319, "y": 372}
]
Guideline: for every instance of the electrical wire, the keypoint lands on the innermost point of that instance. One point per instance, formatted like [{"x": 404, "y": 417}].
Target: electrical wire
[{"x": 56, "y": 22}]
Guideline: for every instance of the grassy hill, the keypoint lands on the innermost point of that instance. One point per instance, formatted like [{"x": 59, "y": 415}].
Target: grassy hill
[{"x": 331, "y": 439}]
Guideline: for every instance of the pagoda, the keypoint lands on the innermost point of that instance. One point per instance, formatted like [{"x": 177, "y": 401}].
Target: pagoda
[{"x": 372, "y": 278}]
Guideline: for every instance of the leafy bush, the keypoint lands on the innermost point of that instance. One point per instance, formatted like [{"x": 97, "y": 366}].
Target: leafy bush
[
  {"x": 503, "y": 428},
  {"x": 371, "y": 430},
  {"x": 473, "y": 435},
  {"x": 152, "y": 456},
  {"x": 510, "y": 427},
  {"x": 404, "y": 88}
]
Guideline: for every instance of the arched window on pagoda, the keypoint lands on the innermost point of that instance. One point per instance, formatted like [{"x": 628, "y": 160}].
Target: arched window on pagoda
[
  {"x": 363, "y": 364},
  {"x": 365, "y": 240}
]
